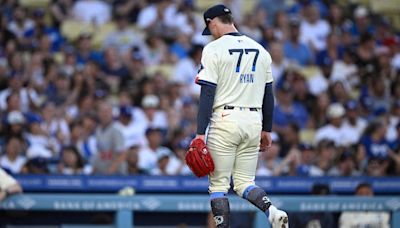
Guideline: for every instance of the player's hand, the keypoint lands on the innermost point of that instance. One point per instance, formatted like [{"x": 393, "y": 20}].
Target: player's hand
[
  {"x": 202, "y": 137},
  {"x": 266, "y": 141}
]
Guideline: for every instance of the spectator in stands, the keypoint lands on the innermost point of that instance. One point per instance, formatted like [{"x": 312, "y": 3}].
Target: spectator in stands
[
  {"x": 294, "y": 49},
  {"x": 354, "y": 124},
  {"x": 325, "y": 57},
  {"x": 132, "y": 160},
  {"x": 54, "y": 124},
  {"x": 8, "y": 185},
  {"x": 60, "y": 10},
  {"x": 335, "y": 17},
  {"x": 345, "y": 70},
  {"x": 136, "y": 69},
  {"x": 148, "y": 154},
  {"x": 27, "y": 96},
  {"x": 72, "y": 163},
  {"x": 287, "y": 111},
  {"x": 32, "y": 37},
  {"x": 14, "y": 126},
  {"x": 268, "y": 162},
  {"x": 131, "y": 131},
  {"x": 364, "y": 219},
  {"x": 85, "y": 52},
  {"x": 366, "y": 60},
  {"x": 334, "y": 130},
  {"x": 164, "y": 160},
  {"x": 83, "y": 137},
  {"x": 40, "y": 144},
  {"x": 180, "y": 152},
  {"x": 92, "y": 11},
  {"x": 314, "y": 219},
  {"x": 123, "y": 38},
  {"x": 373, "y": 143},
  {"x": 157, "y": 17},
  {"x": 362, "y": 22},
  {"x": 113, "y": 69},
  {"x": 279, "y": 62},
  {"x": 281, "y": 26},
  {"x": 325, "y": 156},
  {"x": 186, "y": 69},
  {"x": 346, "y": 166},
  {"x": 306, "y": 165},
  {"x": 110, "y": 143},
  {"x": 154, "y": 117},
  {"x": 7, "y": 35},
  {"x": 314, "y": 30},
  {"x": 20, "y": 23},
  {"x": 13, "y": 159}
]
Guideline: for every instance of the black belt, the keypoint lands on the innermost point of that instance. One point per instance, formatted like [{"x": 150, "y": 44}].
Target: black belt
[{"x": 227, "y": 107}]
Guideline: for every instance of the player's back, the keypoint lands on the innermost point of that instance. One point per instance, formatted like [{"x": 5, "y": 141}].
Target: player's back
[{"x": 243, "y": 67}]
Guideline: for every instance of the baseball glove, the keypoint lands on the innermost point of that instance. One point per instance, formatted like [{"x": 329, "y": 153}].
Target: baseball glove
[{"x": 199, "y": 159}]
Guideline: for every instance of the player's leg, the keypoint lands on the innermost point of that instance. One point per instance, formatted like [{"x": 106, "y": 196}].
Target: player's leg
[
  {"x": 221, "y": 140},
  {"x": 244, "y": 174}
]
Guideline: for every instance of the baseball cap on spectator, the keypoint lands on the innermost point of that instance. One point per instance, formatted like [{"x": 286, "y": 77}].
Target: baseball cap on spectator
[
  {"x": 125, "y": 111},
  {"x": 150, "y": 101},
  {"x": 361, "y": 12},
  {"x": 351, "y": 105},
  {"x": 335, "y": 110},
  {"x": 152, "y": 130},
  {"x": 39, "y": 12},
  {"x": 15, "y": 117},
  {"x": 345, "y": 156},
  {"x": 213, "y": 12},
  {"x": 136, "y": 53},
  {"x": 37, "y": 165},
  {"x": 305, "y": 147},
  {"x": 162, "y": 153}
]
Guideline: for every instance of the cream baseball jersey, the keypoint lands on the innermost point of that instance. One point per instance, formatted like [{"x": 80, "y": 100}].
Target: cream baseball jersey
[{"x": 239, "y": 67}]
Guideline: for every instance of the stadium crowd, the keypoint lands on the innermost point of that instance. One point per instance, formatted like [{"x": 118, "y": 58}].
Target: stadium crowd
[{"x": 126, "y": 103}]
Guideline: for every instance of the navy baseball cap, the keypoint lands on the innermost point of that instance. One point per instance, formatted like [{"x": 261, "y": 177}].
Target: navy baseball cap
[{"x": 213, "y": 12}]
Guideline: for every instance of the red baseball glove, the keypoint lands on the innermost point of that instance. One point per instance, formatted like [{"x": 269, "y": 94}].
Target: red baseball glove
[{"x": 199, "y": 159}]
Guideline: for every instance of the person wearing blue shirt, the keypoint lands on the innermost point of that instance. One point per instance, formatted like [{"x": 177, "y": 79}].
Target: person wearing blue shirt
[
  {"x": 293, "y": 49},
  {"x": 374, "y": 143},
  {"x": 40, "y": 29},
  {"x": 287, "y": 111}
]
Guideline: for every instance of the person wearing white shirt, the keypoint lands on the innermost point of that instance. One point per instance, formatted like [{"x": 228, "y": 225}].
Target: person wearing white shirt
[
  {"x": 186, "y": 70},
  {"x": 132, "y": 130},
  {"x": 92, "y": 11},
  {"x": 26, "y": 96},
  {"x": 124, "y": 38},
  {"x": 353, "y": 124},
  {"x": 162, "y": 12},
  {"x": 279, "y": 62},
  {"x": 334, "y": 131},
  {"x": 365, "y": 218},
  {"x": 313, "y": 30},
  {"x": 148, "y": 155},
  {"x": 154, "y": 117},
  {"x": 12, "y": 160}
]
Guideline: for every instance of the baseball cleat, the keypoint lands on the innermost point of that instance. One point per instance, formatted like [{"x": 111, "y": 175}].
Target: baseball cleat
[{"x": 278, "y": 218}]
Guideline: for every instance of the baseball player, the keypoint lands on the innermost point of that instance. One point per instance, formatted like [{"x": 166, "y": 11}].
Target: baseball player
[{"x": 236, "y": 104}]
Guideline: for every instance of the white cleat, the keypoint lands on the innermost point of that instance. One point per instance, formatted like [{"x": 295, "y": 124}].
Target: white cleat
[{"x": 278, "y": 218}]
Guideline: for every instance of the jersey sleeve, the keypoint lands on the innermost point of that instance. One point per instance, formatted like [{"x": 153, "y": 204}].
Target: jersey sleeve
[
  {"x": 269, "y": 78},
  {"x": 208, "y": 72}
]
